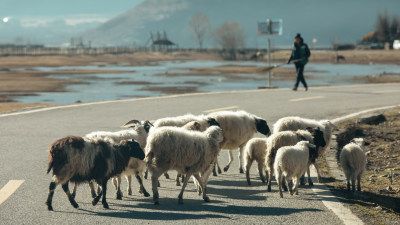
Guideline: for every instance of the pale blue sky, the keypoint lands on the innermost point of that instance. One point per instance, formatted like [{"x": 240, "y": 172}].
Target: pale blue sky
[{"x": 64, "y": 8}]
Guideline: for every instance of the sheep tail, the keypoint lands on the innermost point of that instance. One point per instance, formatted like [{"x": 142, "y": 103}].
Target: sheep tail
[
  {"x": 50, "y": 165},
  {"x": 149, "y": 158}
]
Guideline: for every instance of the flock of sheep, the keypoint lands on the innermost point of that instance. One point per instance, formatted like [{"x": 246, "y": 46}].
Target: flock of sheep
[{"x": 190, "y": 145}]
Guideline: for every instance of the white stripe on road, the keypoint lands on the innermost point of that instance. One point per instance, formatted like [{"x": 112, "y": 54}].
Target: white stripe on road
[
  {"x": 221, "y": 109},
  {"x": 306, "y": 99},
  {"x": 9, "y": 189}
]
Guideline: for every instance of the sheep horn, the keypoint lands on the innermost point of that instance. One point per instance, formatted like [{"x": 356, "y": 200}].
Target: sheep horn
[
  {"x": 148, "y": 122},
  {"x": 131, "y": 123}
]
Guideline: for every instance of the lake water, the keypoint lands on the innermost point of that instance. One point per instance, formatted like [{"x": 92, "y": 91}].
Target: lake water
[{"x": 155, "y": 80}]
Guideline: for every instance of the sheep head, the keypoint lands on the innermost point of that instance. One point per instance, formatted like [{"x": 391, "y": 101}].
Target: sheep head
[
  {"x": 262, "y": 126},
  {"x": 318, "y": 136}
]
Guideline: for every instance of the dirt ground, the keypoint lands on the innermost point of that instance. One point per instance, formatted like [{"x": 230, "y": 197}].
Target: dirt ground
[
  {"x": 17, "y": 77},
  {"x": 379, "y": 201}
]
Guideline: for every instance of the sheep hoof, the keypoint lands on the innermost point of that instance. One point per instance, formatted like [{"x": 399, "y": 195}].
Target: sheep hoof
[
  {"x": 75, "y": 205},
  {"x": 207, "y": 199},
  {"x": 241, "y": 170},
  {"x": 214, "y": 174},
  {"x": 94, "y": 195},
  {"x": 285, "y": 188},
  {"x": 49, "y": 207},
  {"x": 249, "y": 183},
  {"x": 310, "y": 184},
  {"x": 226, "y": 168},
  {"x": 96, "y": 200},
  {"x": 130, "y": 192},
  {"x": 269, "y": 188},
  {"x": 105, "y": 205},
  {"x": 119, "y": 196},
  {"x": 281, "y": 195},
  {"x": 178, "y": 184},
  {"x": 146, "y": 194},
  {"x": 219, "y": 170}
]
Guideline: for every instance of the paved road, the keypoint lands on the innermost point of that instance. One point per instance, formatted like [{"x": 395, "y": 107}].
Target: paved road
[{"x": 25, "y": 137}]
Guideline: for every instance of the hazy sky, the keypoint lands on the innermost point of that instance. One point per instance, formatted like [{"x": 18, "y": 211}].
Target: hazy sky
[{"x": 65, "y": 9}]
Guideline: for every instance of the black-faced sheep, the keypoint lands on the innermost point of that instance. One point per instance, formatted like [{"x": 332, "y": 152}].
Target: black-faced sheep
[
  {"x": 292, "y": 162},
  {"x": 75, "y": 159},
  {"x": 255, "y": 149},
  {"x": 353, "y": 161},
  {"x": 188, "y": 152},
  {"x": 238, "y": 127},
  {"x": 137, "y": 131},
  {"x": 289, "y": 138},
  {"x": 297, "y": 123}
]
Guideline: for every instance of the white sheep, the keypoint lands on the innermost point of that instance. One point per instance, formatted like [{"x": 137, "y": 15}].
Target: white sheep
[
  {"x": 238, "y": 128},
  {"x": 255, "y": 149},
  {"x": 297, "y": 123},
  {"x": 292, "y": 162},
  {"x": 353, "y": 161},
  {"x": 78, "y": 160},
  {"x": 181, "y": 121},
  {"x": 289, "y": 138},
  {"x": 136, "y": 130},
  {"x": 188, "y": 152}
]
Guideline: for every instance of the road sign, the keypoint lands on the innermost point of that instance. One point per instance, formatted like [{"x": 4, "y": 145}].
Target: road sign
[{"x": 270, "y": 27}]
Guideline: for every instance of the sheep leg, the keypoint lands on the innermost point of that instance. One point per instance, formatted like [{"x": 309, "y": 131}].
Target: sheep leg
[
  {"x": 310, "y": 183},
  {"x": 226, "y": 168},
  {"x": 180, "y": 196},
  {"x": 129, "y": 180},
  {"x": 296, "y": 186},
  {"x": 218, "y": 167},
  {"x": 290, "y": 187},
  {"x": 142, "y": 189},
  {"x": 270, "y": 178},
  {"x": 316, "y": 165},
  {"x": 302, "y": 180},
  {"x": 353, "y": 182},
  {"x": 91, "y": 187},
  {"x": 146, "y": 173},
  {"x": 166, "y": 175},
  {"x": 178, "y": 175},
  {"x": 70, "y": 198},
  {"x": 241, "y": 159},
  {"x": 260, "y": 171},
  {"x": 154, "y": 185},
  {"x": 52, "y": 187},
  {"x": 214, "y": 169},
  {"x": 278, "y": 178},
  {"x": 203, "y": 187},
  {"x": 119, "y": 192},
  {"x": 97, "y": 198},
  {"x": 285, "y": 185},
  {"x": 104, "y": 190},
  {"x": 248, "y": 166},
  {"x": 74, "y": 190}
]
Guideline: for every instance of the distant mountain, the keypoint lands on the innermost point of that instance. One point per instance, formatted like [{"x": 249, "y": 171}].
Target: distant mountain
[{"x": 325, "y": 20}]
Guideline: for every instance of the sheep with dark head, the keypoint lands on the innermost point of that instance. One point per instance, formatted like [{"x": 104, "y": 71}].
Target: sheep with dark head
[
  {"x": 238, "y": 128},
  {"x": 78, "y": 160}
]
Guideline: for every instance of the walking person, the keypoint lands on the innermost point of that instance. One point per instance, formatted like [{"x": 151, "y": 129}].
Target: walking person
[{"x": 300, "y": 55}]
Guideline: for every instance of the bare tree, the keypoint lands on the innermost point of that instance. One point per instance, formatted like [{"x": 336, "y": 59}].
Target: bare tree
[
  {"x": 200, "y": 27},
  {"x": 387, "y": 29},
  {"x": 230, "y": 37}
]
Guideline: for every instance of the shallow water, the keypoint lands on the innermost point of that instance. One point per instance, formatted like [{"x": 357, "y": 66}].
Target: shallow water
[{"x": 106, "y": 86}]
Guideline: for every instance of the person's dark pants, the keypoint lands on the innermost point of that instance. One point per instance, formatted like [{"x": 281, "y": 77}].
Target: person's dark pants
[{"x": 300, "y": 76}]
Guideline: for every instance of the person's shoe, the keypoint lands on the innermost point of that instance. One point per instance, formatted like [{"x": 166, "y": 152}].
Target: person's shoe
[
  {"x": 306, "y": 88},
  {"x": 294, "y": 89}
]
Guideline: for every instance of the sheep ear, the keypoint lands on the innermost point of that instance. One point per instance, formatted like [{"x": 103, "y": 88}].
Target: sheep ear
[
  {"x": 310, "y": 129},
  {"x": 131, "y": 123}
]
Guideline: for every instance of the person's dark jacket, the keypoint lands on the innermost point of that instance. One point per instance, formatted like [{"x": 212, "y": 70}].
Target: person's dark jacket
[{"x": 300, "y": 52}]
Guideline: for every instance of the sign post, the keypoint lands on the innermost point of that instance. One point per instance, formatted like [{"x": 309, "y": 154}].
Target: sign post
[{"x": 269, "y": 27}]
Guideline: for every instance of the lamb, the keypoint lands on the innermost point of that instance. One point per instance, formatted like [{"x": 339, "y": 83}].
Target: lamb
[
  {"x": 255, "y": 149},
  {"x": 137, "y": 131},
  {"x": 78, "y": 160},
  {"x": 298, "y": 123},
  {"x": 288, "y": 138},
  {"x": 238, "y": 127},
  {"x": 353, "y": 161},
  {"x": 188, "y": 152},
  {"x": 292, "y": 162}
]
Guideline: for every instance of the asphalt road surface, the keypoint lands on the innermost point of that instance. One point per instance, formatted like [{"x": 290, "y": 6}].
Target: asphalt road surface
[{"x": 25, "y": 137}]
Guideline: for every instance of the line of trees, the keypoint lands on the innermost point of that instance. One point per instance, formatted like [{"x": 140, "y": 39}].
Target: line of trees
[
  {"x": 229, "y": 36},
  {"x": 387, "y": 28}
]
